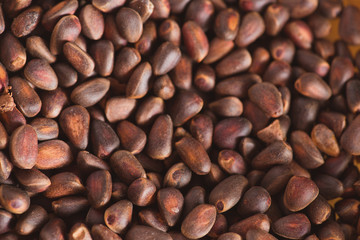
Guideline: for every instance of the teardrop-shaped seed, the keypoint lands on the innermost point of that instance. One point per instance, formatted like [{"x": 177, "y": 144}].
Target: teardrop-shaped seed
[
  {"x": 325, "y": 140},
  {"x": 195, "y": 40},
  {"x": 24, "y": 147},
  {"x": 305, "y": 150},
  {"x": 99, "y": 186},
  {"x": 14, "y": 199},
  {"x": 129, "y": 24},
  {"x": 126, "y": 166},
  {"x": 32, "y": 220},
  {"x": 299, "y": 193},
  {"x": 236, "y": 62},
  {"x": 166, "y": 57},
  {"x": 312, "y": 86},
  {"x": 194, "y": 155},
  {"x": 228, "y": 192},
  {"x": 199, "y": 221},
  {"x": 132, "y": 137},
  {"x": 160, "y": 138},
  {"x": 53, "y": 154},
  {"x": 118, "y": 216},
  {"x": 75, "y": 122},
  {"x": 293, "y": 226},
  {"x": 78, "y": 58},
  {"x": 64, "y": 184},
  {"x": 40, "y": 73},
  {"x": 170, "y": 202},
  {"x": 92, "y": 22},
  {"x": 138, "y": 83},
  {"x": 103, "y": 138},
  {"x": 33, "y": 180}
]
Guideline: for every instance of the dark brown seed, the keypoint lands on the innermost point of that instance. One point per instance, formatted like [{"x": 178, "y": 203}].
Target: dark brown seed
[
  {"x": 24, "y": 147},
  {"x": 267, "y": 97},
  {"x": 276, "y": 153},
  {"x": 275, "y": 18},
  {"x": 146, "y": 42},
  {"x": 36, "y": 46},
  {"x": 119, "y": 108},
  {"x": 67, "y": 76},
  {"x": 90, "y": 92},
  {"x": 254, "y": 5},
  {"x": 160, "y": 138},
  {"x": 148, "y": 110},
  {"x": 132, "y": 138},
  {"x": 348, "y": 210},
  {"x": 305, "y": 114},
  {"x": 107, "y": 5},
  {"x": 228, "y": 192},
  {"x": 166, "y": 57},
  {"x": 153, "y": 219},
  {"x": 227, "y": 24},
  {"x": 40, "y": 73},
  {"x": 14, "y": 199},
  {"x": 138, "y": 83},
  {"x": 68, "y": 206},
  {"x": 201, "y": 12},
  {"x": 352, "y": 95},
  {"x": 335, "y": 166},
  {"x": 64, "y": 184},
  {"x": 161, "y": 9},
  {"x": 178, "y": 176},
  {"x": 329, "y": 187},
  {"x": 126, "y": 166},
  {"x": 311, "y": 85},
  {"x": 32, "y": 220},
  {"x": 6, "y": 167},
  {"x": 12, "y": 119},
  {"x": 100, "y": 232},
  {"x": 220, "y": 226},
  {"x": 99, "y": 187},
  {"x": 348, "y": 32},
  {"x": 126, "y": 61},
  {"x": 255, "y": 200},
  {"x": 251, "y": 28},
  {"x": 12, "y": 54},
  {"x": 79, "y": 231},
  {"x": 255, "y": 115},
  {"x": 185, "y": 106},
  {"x": 275, "y": 131},
  {"x": 194, "y": 155},
  {"x": 261, "y": 58},
  {"x": 349, "y": 139},
  {"x": 33, "y": 180},
  {"x": 195, "y": 40},
  {"x": 79, "y": 59},
  {"x": 299, "y": 193},
  {"x": 319, "y": 210},
  {"x": 278, "y": 73},
  {"x": 103, "y": 138},
  {"x": 57, "y": 11},
  {"x": 330, "y": 8},
  {"x": 182, "y": 73},
  {"x": 170, "y": 202},
  {"x": 75, "y": 122},
  {"x": 138, "y": 232},
  {"x": 53, "y": 102},
  {"x": 257, "y": 234},
  {"x": 2, "y": 21},
  {"x": 194, "y": 197},
  {"x": 103, "y": 54},
  {"x": 237, "y": 86},
  {"x": 300, "y": 33},
  {"x": 199, "y": 221},
  {"x": 324, "y": 48},
  {"x": 276, "y": 179},
  {"x": 218, "y": 48},
  {"x": 92, "y": 22},
  {"x": 228, "y": 131},
  {"x": 248, "y": 147},
  {"x": 293, "y": 226},
  {"x": 282, "y": 49},
  {"x": 235, "y": 62},
  {"x": 231, "y": 236},
  {"x": 141, "y": 192},
  {"x": 312, "y": 62},
  {"x": 305, "y": 151},
  {"x": 227, "y": 107},
  {"x": 67, "y": 29},
  {"x": 201, "y": 128},
  {"x": 88, "y": 162},
  {"x": 257, "y": 221},
  {"x": 325, "y": 140},
  {"x": 341, "y": 71},
  {"x": 300, "y": 9},
  {"x": 232, "y": 162},
  {"x": 169, "y": 30},
  {"x": 53, "y": 154},
  {"x": 129, "y": 24},
  {"x": 26, "y": 22},
  {"x": 320, "y": 25},
  {"x": 330, "y": 230},
  {"x": 55, "y": 227},
  {"x": 144, "y": 7},
  {"x": 118, "y": 216},
  {"x": 112, "y": 33},
  {"x": 163, "y": 87}
]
